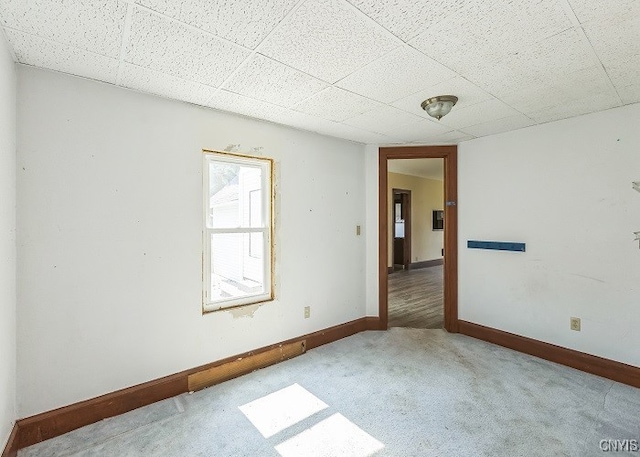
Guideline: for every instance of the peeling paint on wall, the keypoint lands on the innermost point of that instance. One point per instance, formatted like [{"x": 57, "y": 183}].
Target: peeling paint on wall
[
  {"x": 255, "y": 151},
  {"x": 244, "y": 311},
  {"x": 275, "y": 180},
  {"x": 232, "y": 148}
]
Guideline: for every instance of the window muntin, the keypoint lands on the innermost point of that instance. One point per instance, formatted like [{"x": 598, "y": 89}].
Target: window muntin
[{"x": 237, "y": 232}]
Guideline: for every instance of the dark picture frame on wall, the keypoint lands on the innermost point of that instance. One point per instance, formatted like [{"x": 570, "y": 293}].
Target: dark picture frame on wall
[{"x": 438, "y": 219}]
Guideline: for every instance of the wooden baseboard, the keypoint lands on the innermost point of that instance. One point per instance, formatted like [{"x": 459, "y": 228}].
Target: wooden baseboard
[
  {"x": 244, "y": 365},
  {"x": 610, "y": 369},
  {"x": 374, "y": 323},
  {"x": 59, "y": 421},
  {"x": 44, "y": 426},
  {"x": 50, "y": 424},
  {"x": 11, "y": 448},
  {"x": 426, "y": 264}
]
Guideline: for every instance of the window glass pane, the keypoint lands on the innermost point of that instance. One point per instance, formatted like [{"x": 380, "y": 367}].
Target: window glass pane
[
  {"x": 230, "y": 188},
  {"x": 255, "y": 208},
  {"x": 256, "y": 244},
  {"x": 235, "y": 273},
  {"x": 238, "y": 213}
]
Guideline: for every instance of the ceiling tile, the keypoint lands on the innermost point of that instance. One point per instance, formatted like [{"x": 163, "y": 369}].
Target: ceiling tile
[
  {"x": 453, "y": 137},
  {"x": 336, "y": 104},
  {"x": 563, "y": 53},
  {"x": 467, "y": 93},
  {"x": 146, "y": 80},
  {"x": 395, "y": 123},
  {"x": 595, "y": 102},
  {"x": 454, "y": 46},
  {"x": 522, "y": 20},
  {"x": 630, "y": 93},
  {"x": 247, "y": 106},
  {"x": 163, "y": 45},
  {"x": 32, "y": 50},
  {"x": 399, "y": 73},
  {"x": 489, "y": 110},
  {"x": 327, "y": 39},
  {"x": 339, "y": 130},
  {"x": 467, "y": 40},
  {"x": 542, "y": 63},
  {"x": 246, "y": 22},
  {"x": 580, "y": 84},
  {"x": 169, "y": 7},
  {"x": 499, "y": 126},
  {"x": 598, "y": 10},
  {"x": 95, "y": 26},
  {"x": 619, "y": 52},
  {"x": 509, "y": 62},
  {"x": 425, "y": 130},
  {"x": 623, "y": 73},
  {"x": 407, "y": 18},
  {"x": 265, "y": 79},
  {"x": 235, "y": 103}
]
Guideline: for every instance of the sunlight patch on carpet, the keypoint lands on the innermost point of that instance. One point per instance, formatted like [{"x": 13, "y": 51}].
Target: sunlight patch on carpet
[
  {"x": 335, "y": 436},
  {"x": 280, "y": 410}
]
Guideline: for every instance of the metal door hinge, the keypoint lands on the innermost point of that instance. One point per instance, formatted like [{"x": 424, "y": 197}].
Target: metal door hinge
[{"x": 451, "y": 203}]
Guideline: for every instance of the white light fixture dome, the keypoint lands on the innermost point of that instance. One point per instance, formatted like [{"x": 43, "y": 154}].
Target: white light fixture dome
[{"x": 439, "y": 106}]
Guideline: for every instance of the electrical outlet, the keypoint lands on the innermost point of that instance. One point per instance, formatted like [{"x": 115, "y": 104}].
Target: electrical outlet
[
  {"x": 575, "y": 324},
  {"x": 307, "y": 312},
  {"x": 358, "y": 230}
]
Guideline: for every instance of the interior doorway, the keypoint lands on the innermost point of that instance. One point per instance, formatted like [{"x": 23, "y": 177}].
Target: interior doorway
[
  {"x": 387, "y": 227},
  {"x": 415, "y": 289},
  {"x": 401, "y": 246}
]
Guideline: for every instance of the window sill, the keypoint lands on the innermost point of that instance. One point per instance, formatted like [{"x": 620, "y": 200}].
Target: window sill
[{"x": 216, "y": 307}]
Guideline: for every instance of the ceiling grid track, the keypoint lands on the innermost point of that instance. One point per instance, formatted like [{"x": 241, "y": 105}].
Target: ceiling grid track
[
  {"x": 568, "y": 9},
  {"x": 256, "y": 51},
  {"x": 352, "y": 69},
  {"x": 126, "y": 30}
]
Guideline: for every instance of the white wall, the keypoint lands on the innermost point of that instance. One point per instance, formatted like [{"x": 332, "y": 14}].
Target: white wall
[
  {"x": 7, "y": 242},
  {"x": 564, "y": 189},
  {"x": 371, "y": 229},
  {"x": 109, "y": 237}
]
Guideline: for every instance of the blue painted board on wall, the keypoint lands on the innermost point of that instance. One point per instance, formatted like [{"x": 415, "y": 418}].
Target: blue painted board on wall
[{"x": 496, "y": 245}]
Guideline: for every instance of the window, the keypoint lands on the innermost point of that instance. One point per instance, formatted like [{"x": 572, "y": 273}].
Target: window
[{"x": 237, "y": 230}]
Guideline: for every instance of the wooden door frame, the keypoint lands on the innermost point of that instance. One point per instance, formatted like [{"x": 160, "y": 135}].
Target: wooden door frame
[
  {"x": 450, "y": 156},
  {"x": 406, "y": 254}
]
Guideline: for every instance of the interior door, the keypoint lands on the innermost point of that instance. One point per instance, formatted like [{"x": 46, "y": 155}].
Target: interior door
[
  {"x": 398, "y": 233},
  {"x": 401, "y": 229}
]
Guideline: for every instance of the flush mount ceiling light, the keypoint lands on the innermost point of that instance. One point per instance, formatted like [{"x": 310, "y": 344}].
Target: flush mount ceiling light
[{"x": 439, "y": 106}]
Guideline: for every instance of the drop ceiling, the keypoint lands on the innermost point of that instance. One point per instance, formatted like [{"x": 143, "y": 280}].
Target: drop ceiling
[{"x": 353, "y": 69}]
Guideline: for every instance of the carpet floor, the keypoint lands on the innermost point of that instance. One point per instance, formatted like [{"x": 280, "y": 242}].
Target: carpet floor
[{"x": 404, "y": 392}]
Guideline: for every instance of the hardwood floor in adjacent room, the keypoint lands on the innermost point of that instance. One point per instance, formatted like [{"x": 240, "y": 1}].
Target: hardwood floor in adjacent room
[{"x": 416, "y": 298}]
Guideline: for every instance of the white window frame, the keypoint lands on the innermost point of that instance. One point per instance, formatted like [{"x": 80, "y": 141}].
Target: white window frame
[{"x": 267, "y": 229}]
